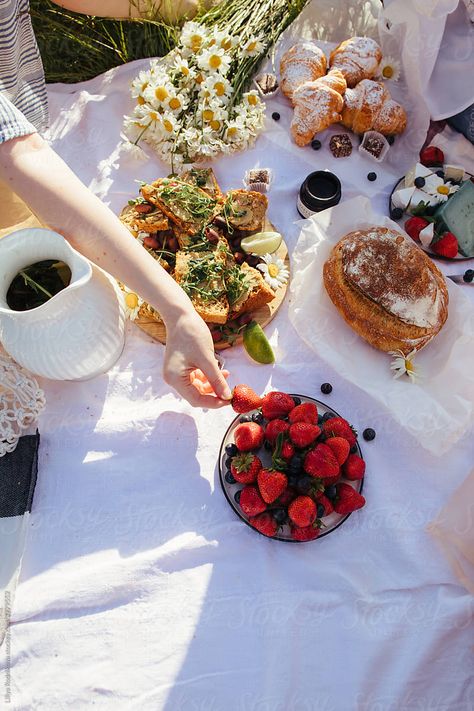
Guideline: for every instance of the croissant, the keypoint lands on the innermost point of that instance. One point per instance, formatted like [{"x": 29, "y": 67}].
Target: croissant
[
  {"x": 303, "y": 62},
  {"x": 358, "y": 58},
  {"x": 369, "y": 107},
  {"x": 318, "y": 104}
]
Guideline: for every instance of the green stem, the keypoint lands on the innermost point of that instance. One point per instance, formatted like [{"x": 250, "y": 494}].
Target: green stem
[{"x": 35, "y": 285}]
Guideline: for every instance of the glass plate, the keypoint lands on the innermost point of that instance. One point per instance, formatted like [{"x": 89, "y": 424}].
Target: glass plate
[{"x": 331, "y": 522}]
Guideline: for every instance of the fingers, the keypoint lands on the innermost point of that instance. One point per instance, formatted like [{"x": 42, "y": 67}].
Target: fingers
[
  {"x": 202, "y": 384},
  {"x": 216, "y": 379},
  {"x": 197, "y": 398}
]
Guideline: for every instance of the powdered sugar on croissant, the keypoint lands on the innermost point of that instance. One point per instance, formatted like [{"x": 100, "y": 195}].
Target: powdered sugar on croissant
[
  {"x": 303, "y": 62},
  {"x": 369, "y": 106},
  {"x": 358, "y": 58},
  {"x": 318, "y": 104}
]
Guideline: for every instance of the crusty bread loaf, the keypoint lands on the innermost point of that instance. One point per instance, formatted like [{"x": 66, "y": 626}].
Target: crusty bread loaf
[
  {"x": 245, "y": 209},
  {"x": 386, "y": 289},
  {"x": 302, "y": 62},
  {"x": 212, "y": 310},
  {"x": 154, "y": 221},
  {"x": 358, "y": 58}
]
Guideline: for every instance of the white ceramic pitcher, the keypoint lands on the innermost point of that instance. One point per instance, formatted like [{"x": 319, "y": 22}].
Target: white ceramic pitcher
[{"x": 76, "y": 334}]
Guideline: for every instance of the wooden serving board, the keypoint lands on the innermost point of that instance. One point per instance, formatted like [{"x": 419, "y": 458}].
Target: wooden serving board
[{"x": 263, "y": 315}]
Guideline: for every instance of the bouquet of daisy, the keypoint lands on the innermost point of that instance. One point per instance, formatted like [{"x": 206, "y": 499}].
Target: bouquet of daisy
[{"x": 188, "y": 106}]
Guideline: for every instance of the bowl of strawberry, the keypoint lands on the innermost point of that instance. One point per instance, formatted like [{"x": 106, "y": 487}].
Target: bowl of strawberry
[{"x": 290, "y": 466}]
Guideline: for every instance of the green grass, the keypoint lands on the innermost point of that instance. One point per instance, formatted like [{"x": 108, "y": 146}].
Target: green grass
[{"x": 78, "y": 47}]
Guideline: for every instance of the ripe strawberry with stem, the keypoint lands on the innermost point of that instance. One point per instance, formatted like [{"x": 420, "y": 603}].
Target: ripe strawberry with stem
[
  {"x": 244, "y": 399},
  {"x": 248, "y": 436},
  {"x": 245, "y": 467},
  {"x": 276, "y": 405}
]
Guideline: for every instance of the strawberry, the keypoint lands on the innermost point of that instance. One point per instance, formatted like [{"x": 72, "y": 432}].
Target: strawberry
[
  {"x": 447, "y": 246},
  {"x": 303, "y": 434},
  {"x": 347, "y": 499},
  {"x": 287, "y": 451},
  {"x": 414, "y": 225},
  {"x": 271, "y": 484},
  {"x": 287, "y": 497},
  {"x": 302, "y": 511},
  {"x": 244, "y": 399},
  {"x": 265, "y": 523},
  {"x": 339, "y": 427},
  {"x": 320, "y": 462},
  {"x": 247, "y": 436},
  {"x": 324, "y": 501},
  {"x": 431, "y": 155},
  {"x": 273, "y": 429},
  {"x": 245, "y": 467},
  {"x": 306, "y": 412},
  {"x": 277, "y": 404},
  {"x": 309, "y": 533},
  {"x": 340, "y": 448},
  {"x": 250, "y": 501},
  {"x": 354, "y": 468}
]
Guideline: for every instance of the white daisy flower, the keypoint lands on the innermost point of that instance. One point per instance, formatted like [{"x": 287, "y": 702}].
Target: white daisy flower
[
  {"x": 214, "y": 59},
  {"x": 438, "y": 189},
  {"x": 132, "y": 304},
  {"x": 223, "y": 39},
  {"x": 169, "y": 124},
  {"x": 274, "y": 271},
  {"x": 253, "y": 47},
  {"x": 139, "y": 85},
  {"x": 251, "y": 98},
  {"x": 177, "y": 103},
  {"x": 158, "y": 92},
  {"x": 131, "y": 150},
  {"x": 389, "y": 69},
  {"x": 403, "y": 365},
  {"x": 194, "y": 37},
  {"x": 216, "y": 87},
  {"x": 181, "y": 65}
]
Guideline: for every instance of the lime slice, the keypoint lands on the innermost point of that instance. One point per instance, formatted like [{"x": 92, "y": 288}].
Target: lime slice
[
  {"x": 256, "y": 344},
  {"x": 261, "y": 243}
]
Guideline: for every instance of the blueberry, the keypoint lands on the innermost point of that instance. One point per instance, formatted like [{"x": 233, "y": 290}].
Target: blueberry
[
  {"x": 372, "y": 176},
  {"x": 468, "y": 276},
  {"x": 320, "y": 420},
  {"x": 439, "y": 173},
  {"x": 292, "y": 480},
  {"x": 315, "y": 144},
  {"x": 328, "y": 416},
  {"x": 268, "y": 446},
  {"x": 245, "y": 418},
  {"x": 296, "y": 461},
  {"x": 279, "y": 515},
  {"x": 391, "y": 140},
  {"x": 237, "y": 496},
  {"x": 231, "y": 450},
  {"x": 229, "y": 477},
  {"x": 368, "y": 434},
  {"x": 304, "y": 484},
  {"x": 396, "y": 213},
  {"x": 326, "y": 388},
  {"x": 275, "y": 116},
  {"x": 320, "y": 510},
  {"x": 419, "y": 182},
  {"x": 330, "y": 491},
  {"x": 353, "y": 449},
  {"x": 297, "y": 401},
  {"x": 257, "y": 417}
]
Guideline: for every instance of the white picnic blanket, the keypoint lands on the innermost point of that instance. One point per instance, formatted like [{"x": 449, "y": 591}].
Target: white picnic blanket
[{"x": 140, "y": 588}]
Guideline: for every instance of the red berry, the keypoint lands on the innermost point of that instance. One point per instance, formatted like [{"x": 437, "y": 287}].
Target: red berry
[
  {"x": 276, "y": 404},
  {"x": 324, "y": 501},
  {"x": 339, "y": 427},
  {"x": 271, "y": 484},
  {"x": 431, "y": 155},
  {"x": 265, "y": 523},
  {"x": 303, "y": 434},
  {"x": 287, "y": 497},
  {"x": 245, "y": 467},
  {"x": 309, "y": 533},
  {"x": 250, "y": 501},
  {"x": 347, "y": 499},
  {"x": 151, "y": 242},
  {"x": 244, "y": 399},
  {"x": 247, "y": 436},
  {"x": 447, "y": 246},
  {"x": 274, "y": 428},
  {"x": 287, "y": 449},
  {"x": 302, "y": 511},
  {"x": 321, "y": 463},
  {"x": 340, "y": 448},
  {"x": 354, "y": 468},
  {"x": 306, "y": 412},
  {"x": 414, "y": 225}
]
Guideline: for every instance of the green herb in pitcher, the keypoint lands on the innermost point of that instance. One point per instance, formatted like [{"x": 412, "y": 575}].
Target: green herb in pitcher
[{"x": 37, "y": 283}]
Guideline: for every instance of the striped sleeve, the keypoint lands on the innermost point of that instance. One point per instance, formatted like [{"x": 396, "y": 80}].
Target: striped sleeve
[{"x": 12, "y": 122}]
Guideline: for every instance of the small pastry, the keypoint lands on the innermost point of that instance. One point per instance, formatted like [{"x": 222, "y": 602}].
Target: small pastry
[
  {"x": 358, "y": 58},
  {"x": 303, "y": 62},
  {"x": 369, "y": 107},
  {"x": 318, "y": 104},
  {"x": 340, "y": 145}
]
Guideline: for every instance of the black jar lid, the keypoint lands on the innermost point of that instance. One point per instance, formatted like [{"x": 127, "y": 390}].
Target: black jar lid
[{"x": 320, "y": 190}]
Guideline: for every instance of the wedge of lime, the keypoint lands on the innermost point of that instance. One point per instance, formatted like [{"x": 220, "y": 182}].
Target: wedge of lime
[
  {"x": 256, "y": 344},
  {"x": 261, "y": 243}
]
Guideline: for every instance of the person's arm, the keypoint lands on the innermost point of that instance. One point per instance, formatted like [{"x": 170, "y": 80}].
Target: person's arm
[{"x": 59, "y": 199}]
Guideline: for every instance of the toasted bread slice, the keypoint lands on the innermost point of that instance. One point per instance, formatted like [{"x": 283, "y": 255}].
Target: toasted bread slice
[
  {"x": 245, "y": 209},
  {"x": 186, "y": 205},
  {"x": 136, "y": 221},
  {"x": 201, "y": 276},
  {"x": 256, "y": 294},
  {"x": 205, "y": 179}
]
